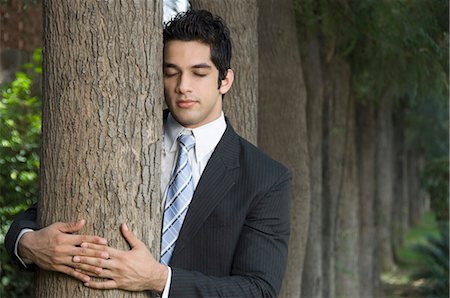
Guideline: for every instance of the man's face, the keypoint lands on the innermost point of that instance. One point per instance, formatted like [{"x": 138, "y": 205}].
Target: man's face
[{"x": 191, "y": 83}]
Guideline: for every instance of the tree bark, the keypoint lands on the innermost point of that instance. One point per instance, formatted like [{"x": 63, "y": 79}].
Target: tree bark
[
  {"x": 102, "y": 126},
  {"x": 385, "y": 182},
  {"x": 241, "y": 103},
  {"x": 282, "y": 129},
  {"x": 366, "y": 137},
  {"x": 312, "y": 282}
]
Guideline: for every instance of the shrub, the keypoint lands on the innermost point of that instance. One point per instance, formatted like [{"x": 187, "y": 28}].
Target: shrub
[
  {"x": 434, "y": 271},
  {"x": 20, "y": 129}
]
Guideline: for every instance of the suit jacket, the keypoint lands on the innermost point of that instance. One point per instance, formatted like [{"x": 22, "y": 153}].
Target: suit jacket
[{"x": 234, "y": 239}]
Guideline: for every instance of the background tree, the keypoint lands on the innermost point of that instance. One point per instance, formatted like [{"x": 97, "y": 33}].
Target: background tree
[{"x": 282, "y": 129}]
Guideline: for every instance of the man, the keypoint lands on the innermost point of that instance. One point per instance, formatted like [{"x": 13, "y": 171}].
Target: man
[{"x": 229, "y": 235}]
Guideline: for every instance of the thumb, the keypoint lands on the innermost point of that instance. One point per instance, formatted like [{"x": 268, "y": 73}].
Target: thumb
[
  {"x": 130, "y": 237},
  {"x": 72, "y": 227}
]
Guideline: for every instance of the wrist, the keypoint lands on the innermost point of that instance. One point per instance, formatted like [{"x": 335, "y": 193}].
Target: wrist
[
  {"x": 162, "y": 275},
  {"x": 23, "y": 248}
]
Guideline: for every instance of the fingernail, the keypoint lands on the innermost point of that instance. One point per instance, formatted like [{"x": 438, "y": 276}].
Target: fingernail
[
  {"x": 104, "y": 255},
  {"x": 125, "y": 227},
  {"x": 86, "y": 279},
  {"x": 103, "y": 241},
  {"x": 76, "y": 259},
  {"x": 84, "y": 245},
  {"x": 86, "y": 284}
]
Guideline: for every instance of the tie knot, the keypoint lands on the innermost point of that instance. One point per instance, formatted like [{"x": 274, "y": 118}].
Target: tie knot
[{"x": 187, "y": 141}]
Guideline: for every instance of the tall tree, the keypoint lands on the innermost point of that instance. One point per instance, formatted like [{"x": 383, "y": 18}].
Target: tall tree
[
  {"x": 341, "y": 193},
  {"x": 366, "y": 148},
  {"x": 102, "y": 123},
  {"x": 385, "y": 182},
  {"x": 312, "y": 57},
  {"x": 282, "y": 125},
  {"x": 241, "y": 103}
]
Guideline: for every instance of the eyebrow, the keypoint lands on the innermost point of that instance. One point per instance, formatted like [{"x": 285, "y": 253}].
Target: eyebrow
[{"x": 196, "y": 66}]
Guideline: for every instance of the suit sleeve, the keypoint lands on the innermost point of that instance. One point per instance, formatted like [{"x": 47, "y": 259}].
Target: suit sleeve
[
  {"x": 260, "y": 257},
  {"x": 27, "y": 219}
]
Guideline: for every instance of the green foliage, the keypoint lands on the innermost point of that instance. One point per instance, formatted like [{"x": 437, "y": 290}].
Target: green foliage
[
  {"x": 20, "y": 129},
  {"x": 395, "y": 48},
  {"x": 434, "y": 272}
]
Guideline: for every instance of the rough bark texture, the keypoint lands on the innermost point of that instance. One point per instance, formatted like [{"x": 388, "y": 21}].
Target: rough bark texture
[
  {"x": 385, "y": 182},
  {"x": 343, "y": 189},
  {"x": 282, "y": 121},
  {"x": 102, "y": 125},
  {"x": 312, "y": 282},
  {"x": 241, "y": 103},
  {"x": 366, "y": 137}
]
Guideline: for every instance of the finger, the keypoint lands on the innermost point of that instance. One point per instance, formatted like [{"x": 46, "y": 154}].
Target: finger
[
  {"x": 88, "y": 269},
  {"x": 100, "y": 248},
  {"x": 71, "y": 227},
  {"x": 104, "y": 274},
  {"x": 78, "y": 239},
  {"x": 109, "y": 284},
  {"x": 96, "y": 262},
  {"x": 130, "y": 237},
  {"x": 72, "y": 272},
  {"x": 99, "y": 251}
]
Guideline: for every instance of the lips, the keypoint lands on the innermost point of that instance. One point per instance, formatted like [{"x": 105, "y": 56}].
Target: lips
[{"x": 184, "y": 104}]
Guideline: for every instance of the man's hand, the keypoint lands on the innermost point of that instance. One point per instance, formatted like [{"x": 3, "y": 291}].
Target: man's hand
[
  {"x": 132, "y": 270},
  {"x": 53, "y": 247}
]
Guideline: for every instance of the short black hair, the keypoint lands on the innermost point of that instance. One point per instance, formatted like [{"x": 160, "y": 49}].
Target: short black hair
[{"x": 203, "y": 26}]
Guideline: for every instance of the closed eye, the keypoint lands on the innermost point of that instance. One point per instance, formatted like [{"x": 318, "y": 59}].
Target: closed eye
[
  {"x": 170, "y": 73},
  {"x": 200, "y": 74}
]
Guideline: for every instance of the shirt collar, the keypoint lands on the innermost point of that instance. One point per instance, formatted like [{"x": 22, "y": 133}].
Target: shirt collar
[{"x": 206, "y": 136}]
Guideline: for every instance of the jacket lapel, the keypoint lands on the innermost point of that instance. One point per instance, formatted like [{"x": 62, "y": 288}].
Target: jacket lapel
[{"x": 217, "y": 179}]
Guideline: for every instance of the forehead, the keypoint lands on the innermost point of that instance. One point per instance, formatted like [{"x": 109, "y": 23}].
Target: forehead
[{"x": 186, "y": 53}]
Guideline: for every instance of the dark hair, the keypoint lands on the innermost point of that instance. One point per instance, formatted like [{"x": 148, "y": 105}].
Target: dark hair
[{"x": 202, "y": 26}]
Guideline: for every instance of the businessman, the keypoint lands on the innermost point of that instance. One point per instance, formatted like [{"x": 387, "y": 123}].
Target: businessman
[{"x": 226, "y": 219}]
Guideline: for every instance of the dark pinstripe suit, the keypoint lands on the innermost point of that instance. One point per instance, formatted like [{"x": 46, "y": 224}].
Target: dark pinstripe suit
[{"x": 234, "y": 238}]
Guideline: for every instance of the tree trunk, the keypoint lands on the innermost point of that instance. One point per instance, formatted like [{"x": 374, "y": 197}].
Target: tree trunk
[
  {"x": 312, "y": 282},
  {"x": 417, "y": 200},
  {"x": 282, "y": 121},
  {"x": 385, "y": 182},
  {"x": 398, "y": 210},
  {"x": 366, "y": 137},
  {"x": 341, "y": 192},
  {"x": 241, "y": 103},
  {"x": 102, "y": 126}
]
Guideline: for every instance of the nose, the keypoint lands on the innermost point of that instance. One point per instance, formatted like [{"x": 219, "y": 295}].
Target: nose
[{"x": 184, "y": 84}]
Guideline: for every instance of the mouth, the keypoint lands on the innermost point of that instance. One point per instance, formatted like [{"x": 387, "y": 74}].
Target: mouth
[{"x": 185, "y": 103}]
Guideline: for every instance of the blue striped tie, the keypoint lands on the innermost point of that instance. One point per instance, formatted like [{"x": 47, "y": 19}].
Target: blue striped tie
[{"x": 178, "y": 196}]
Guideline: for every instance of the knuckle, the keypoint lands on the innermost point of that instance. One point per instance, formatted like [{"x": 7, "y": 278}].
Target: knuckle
[
  {"x": 54, "y": 260},
  {"x": 59, "y": 239}
]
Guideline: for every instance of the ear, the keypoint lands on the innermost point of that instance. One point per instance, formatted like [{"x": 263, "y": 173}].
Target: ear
[{"x": 227, "y": 82}]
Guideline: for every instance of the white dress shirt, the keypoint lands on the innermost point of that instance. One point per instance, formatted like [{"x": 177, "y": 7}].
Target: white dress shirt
[{"x": 206, "y": 139}]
